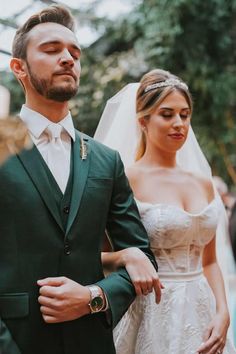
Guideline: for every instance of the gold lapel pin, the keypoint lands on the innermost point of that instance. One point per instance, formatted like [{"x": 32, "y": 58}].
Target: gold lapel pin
[{"x": 83, "y": 149}]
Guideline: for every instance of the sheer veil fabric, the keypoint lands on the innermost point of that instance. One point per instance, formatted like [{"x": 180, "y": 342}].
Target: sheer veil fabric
[{"x": 118, "y": 129}]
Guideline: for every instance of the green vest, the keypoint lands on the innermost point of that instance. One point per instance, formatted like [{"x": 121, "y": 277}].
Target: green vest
[{"x": 62, "y": 200}]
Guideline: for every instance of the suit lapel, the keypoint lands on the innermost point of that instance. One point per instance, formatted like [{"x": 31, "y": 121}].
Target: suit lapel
[
  {"x": 80, "y": 174},
  {"x": 33, "y": 164}
]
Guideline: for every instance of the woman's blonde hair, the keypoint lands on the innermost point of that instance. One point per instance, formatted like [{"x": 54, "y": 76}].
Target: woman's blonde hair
[{"x": 148, "y": 101}]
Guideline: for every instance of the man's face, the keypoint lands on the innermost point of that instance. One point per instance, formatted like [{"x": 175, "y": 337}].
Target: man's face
[{"x": 53, "y": 62}]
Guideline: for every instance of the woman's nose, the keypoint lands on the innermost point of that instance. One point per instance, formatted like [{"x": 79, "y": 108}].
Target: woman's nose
[{"x": 178, "y": 122}]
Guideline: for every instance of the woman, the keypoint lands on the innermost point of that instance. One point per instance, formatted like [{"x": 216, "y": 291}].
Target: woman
[{"x": 180, "y": 211}]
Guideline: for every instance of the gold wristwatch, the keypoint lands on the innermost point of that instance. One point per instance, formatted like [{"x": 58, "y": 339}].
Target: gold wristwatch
[{"x": 97, "y": 301}]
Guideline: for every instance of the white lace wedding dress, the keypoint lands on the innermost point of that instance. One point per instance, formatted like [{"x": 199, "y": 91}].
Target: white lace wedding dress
[{"x": 176, "y": 325}]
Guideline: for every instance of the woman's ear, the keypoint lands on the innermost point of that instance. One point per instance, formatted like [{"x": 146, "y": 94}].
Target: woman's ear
[
  {"x": 143, "y": 123},
  {"x": 18, "y": 66}
]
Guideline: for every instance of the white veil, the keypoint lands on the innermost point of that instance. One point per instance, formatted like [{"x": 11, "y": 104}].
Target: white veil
[{"x": 118, "y": 129}]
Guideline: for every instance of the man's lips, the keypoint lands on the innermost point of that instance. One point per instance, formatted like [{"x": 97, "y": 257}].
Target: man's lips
[{"x": 68, "y": 73}]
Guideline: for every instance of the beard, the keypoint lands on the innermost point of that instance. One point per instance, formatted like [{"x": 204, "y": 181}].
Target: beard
[{"x": 46, "y": 88}]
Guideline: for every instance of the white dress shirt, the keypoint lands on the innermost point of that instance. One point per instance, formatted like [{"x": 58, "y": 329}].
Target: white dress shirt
[{"x": 37, "y": 125}]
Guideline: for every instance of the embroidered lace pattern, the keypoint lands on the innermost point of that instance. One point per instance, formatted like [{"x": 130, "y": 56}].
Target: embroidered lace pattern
[{"x": 176, "y": 325}]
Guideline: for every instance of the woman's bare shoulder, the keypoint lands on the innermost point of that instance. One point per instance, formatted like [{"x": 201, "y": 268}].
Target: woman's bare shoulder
[
  {"x": 206, "y": 184},
  {"x": 132, "y": 172}
]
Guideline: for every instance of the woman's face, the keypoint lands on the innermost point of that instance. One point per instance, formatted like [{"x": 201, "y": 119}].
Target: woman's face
[{"x": 167, "y": 128}]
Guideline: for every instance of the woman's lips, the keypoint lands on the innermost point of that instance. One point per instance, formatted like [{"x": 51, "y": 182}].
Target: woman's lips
[{"x": 177, "y": 136}]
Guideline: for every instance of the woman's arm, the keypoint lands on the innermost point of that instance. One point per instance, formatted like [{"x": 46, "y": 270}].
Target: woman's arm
[
  {"x": 141, "y": 271},
  {"x": 112, "y": 260},
  {"x": 215, "y": 334}
]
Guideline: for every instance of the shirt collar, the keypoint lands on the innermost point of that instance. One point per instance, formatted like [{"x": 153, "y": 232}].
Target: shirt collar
[{"x": 37, "y": 123}]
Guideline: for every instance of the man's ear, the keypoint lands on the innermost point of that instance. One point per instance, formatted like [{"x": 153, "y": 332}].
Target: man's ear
[{"x": 19, "y": 68}]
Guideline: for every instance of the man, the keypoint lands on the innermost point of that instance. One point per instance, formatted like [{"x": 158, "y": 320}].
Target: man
[{"x": 56, "y": 201}]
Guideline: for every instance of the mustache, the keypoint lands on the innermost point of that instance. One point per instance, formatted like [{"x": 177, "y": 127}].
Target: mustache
[{"x": 66, "y": 72}]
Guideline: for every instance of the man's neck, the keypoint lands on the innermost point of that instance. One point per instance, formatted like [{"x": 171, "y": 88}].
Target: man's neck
[{"x": 52, "y": 110}]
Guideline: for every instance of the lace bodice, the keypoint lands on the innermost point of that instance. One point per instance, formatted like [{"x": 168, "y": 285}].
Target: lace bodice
[
  {"x": 178, "y": 323},
  {"x": 178, "y": 237}
]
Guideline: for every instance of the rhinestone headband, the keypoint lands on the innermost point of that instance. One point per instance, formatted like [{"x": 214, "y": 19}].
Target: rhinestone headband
[{"x": 168, "y": 82}]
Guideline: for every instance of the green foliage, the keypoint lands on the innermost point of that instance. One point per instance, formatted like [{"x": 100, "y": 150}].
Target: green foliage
[
  {"x": 8, "y": 80},
  {"x": 197, "y": 41},
  {"x": 193, "y": 39}
]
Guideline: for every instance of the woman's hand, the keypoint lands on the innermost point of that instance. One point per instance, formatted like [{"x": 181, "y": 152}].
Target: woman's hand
[
  {"x": 141, "y": 271},
  {"x": 215, "y": 335}
]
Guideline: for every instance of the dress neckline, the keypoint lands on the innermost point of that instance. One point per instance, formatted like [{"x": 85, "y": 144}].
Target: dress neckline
[{"x": 178, "y": 207}]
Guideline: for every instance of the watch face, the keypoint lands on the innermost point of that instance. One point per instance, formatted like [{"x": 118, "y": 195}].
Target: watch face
[{"x": 97, "y": 303}]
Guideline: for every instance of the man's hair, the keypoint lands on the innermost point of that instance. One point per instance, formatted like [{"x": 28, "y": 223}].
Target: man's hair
[{"x": 54, "y": 13}]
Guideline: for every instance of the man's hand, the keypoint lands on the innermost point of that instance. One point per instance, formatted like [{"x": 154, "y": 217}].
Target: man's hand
[{"x": 62, "y": 299}]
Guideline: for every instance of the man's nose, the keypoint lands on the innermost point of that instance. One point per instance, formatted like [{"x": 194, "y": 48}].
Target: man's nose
[{"x": 66, "y": 58}]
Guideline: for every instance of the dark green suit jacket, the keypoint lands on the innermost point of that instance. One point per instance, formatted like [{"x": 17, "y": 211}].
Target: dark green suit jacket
[{"x": 35, "y": 244}]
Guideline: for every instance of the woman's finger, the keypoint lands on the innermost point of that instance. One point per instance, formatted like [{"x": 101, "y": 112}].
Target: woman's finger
[
  {"x": 206, "y": 346},
  {"x": 215, "y": 349},
  {"x": 157, "y": 290},
  {"x": 138, "y": 288}
]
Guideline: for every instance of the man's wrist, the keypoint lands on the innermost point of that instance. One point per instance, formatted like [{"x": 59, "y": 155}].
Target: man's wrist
[{"x": 98, "y": 301}]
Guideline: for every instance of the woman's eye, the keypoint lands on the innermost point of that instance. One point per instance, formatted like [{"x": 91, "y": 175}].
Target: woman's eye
[
  {"x": 75, "y": 57},
  {"x": 166, "y": 115},
  {"x": 184, "y": 116}
]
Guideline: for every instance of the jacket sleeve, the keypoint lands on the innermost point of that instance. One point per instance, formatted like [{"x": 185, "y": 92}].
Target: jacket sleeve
[
  {"x": 7, "y": 344},
  {"x": 125, "y": 229}
]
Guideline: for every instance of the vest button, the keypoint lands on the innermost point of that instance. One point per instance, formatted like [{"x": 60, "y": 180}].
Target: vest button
[
  {"x": 67, "y": 249},
  {"x": 66, "y": 209}
]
